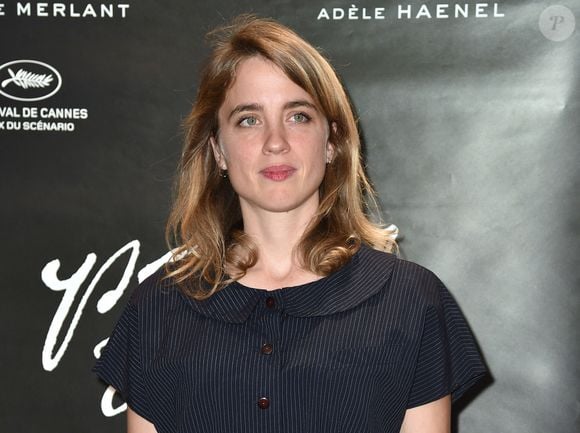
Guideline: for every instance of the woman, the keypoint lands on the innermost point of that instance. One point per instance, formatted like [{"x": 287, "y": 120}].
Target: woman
[{"x": 282, "y": 310}]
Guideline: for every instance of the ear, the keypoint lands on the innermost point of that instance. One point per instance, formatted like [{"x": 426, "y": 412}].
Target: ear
[
  {"x": 218, "y": 153},
  {"x": 330, "y": 147}
]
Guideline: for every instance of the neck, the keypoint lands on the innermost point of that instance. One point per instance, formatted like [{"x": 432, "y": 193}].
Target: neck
[{"x": 276, "y": 235}]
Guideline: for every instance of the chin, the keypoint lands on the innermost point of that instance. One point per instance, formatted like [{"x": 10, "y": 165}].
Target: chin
[
  {"x": 278, "y": 202},
  {"x": 280, "y": 207}
]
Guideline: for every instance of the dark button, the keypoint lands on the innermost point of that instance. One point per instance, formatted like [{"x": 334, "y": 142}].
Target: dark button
[
  {"x": 263, "y": 403},
  {"x": 267, "y": 349},
  {"x": 270, "y": 302}
]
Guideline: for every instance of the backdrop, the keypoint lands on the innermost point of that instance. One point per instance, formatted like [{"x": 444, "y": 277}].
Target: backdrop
[{"x": 470, "y": 118}]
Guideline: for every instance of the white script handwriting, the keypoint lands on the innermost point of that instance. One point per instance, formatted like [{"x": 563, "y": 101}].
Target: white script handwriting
[{"x": 106, "y": 302}]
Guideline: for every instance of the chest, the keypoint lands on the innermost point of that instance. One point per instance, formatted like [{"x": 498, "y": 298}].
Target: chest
[
  {"x": 326, "y": 373},
  {"x": 369, "y": 339}
]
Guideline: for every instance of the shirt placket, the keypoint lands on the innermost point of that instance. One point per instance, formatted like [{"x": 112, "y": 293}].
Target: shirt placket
[{"x": 268, "y": 398}]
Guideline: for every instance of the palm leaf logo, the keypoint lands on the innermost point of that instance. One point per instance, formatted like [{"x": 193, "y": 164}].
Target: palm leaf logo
[{"x": 27, "y": 79}]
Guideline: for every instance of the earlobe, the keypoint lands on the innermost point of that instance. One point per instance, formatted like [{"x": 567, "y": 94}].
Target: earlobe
[
  {"x": 329, "y": 152},
  {"x": 218, "y": 154},
  {"x": 330, "y": 148}
]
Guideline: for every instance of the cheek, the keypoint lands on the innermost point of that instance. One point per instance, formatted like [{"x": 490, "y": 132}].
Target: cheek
[
  {"x": 233, "y": 150},
  {"x": 240, "y": 161},
  {"x": 313, "y": 146}
]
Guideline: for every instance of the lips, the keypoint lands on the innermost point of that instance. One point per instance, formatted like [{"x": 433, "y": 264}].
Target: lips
[{"x": 278, "y": 172}]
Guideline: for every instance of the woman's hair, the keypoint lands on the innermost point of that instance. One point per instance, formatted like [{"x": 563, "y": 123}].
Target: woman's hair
[{"x": 205, "y": 223}]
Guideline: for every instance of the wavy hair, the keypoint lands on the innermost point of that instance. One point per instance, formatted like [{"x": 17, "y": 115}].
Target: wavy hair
[{"x": 204, "y": 228}]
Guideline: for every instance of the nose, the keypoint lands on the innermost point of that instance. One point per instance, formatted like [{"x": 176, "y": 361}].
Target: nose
[{"x": 275, "y": 140}]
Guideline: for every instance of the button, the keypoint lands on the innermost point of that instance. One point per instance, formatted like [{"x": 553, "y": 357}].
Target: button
[
  {"x": 267, "y": 349},
  {"x": 263, "y": 403},
  {"x": 270, "y": 302}
]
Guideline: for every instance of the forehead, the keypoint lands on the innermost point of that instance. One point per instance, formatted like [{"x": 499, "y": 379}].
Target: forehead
[{"x": 257, "y": 80}]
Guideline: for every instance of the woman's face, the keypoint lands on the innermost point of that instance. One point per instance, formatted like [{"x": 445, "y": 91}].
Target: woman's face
[{"x": 273, "y": 140}]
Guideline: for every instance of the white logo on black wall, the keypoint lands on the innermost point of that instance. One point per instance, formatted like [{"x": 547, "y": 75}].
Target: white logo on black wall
[{"x": 29, "y": 80}]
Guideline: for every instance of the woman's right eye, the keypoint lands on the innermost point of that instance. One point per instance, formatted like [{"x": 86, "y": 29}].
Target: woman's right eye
[{"x": 248, "y": 121}]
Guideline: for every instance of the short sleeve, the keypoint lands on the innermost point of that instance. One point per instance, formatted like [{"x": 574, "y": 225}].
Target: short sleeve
[
  {"x": 449, "y": 361},
  {"x": 120, "y": 362}
]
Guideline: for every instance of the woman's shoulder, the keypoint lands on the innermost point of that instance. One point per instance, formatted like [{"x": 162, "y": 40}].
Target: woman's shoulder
[
  {"x": 405, "y": 276},
  {"x": 405, "y": 268},
  {"x": 154, "y": 287}
]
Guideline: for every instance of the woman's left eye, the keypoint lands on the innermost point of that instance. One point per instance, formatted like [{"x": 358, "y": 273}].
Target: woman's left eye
[{"x": 300, "y": 118}]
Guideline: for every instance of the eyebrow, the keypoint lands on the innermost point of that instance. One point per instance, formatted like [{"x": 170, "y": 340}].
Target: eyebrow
[{"x": 257, "y": 107}]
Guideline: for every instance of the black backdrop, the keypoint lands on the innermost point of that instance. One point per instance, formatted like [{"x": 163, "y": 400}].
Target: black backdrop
[{"x": 470, "y": 127}]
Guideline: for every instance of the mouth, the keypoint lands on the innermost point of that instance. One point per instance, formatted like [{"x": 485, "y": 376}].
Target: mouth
[{"x": 278, "y": 172}]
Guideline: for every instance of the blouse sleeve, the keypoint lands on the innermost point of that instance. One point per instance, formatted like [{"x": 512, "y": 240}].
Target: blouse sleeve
[
  {"x": 449, "y": 361},
  {"x": 120, "y": 362}
]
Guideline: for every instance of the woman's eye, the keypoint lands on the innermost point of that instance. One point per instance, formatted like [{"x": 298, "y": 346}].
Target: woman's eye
[
  {"x": 300, "y": 118},
  {"x": 248, "y": 121}
]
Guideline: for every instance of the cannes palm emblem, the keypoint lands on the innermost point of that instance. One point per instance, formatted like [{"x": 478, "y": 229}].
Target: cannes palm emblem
[{"x": 27, "y": 79}]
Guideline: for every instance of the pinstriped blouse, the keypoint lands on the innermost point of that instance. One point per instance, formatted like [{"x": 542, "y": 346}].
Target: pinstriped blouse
[{"x": 348, "y": 353}]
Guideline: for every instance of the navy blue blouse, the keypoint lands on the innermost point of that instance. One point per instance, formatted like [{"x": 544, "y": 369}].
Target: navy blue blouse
[{"x": 348, "y": 353}]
